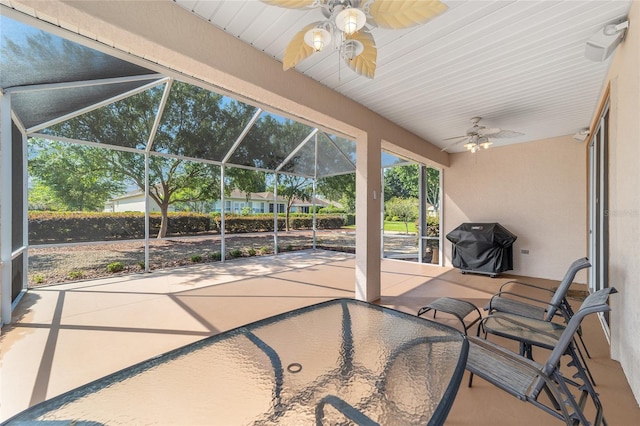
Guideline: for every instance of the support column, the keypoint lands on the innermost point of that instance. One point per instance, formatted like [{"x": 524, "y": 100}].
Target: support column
[
  {"x": 422, "y": 207},
  {"x": 5, "y": 208},
  {"x": 223, "y": 242},
  {"x": 25, "y": 212},
  {"x": 275, "y": 215},
  {"x": 313, "y": 220},
  {"x": 147, "y": 226},
  {"x": 368, "y": 184}
]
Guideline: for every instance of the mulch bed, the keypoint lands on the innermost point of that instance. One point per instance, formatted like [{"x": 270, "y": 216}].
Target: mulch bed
[{"x": 59, "y": 264}]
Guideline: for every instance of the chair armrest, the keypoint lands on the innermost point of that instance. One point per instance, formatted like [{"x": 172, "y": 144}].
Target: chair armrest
[
  {"x": 518, "y": 297},
  {"x": 532, "y": 286}
]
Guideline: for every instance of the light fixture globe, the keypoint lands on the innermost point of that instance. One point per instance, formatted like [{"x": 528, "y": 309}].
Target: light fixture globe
[
  {"x": 484, "y": 143},
  {"x": 351, "y": 49},
  {"x": 317, "y": 38},
  {"x": 350, "y": 20}
]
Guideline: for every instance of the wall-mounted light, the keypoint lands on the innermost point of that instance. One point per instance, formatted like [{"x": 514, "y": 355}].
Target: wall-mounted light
[
  {"x": 603, "y": 43},
  {"x": 582, "y": 135}
]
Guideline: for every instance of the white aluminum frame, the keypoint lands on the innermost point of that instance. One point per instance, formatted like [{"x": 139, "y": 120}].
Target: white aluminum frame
[{"x": 5, "y": 208}]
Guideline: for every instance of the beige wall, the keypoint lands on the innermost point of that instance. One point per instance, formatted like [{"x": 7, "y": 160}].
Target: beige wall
[
  {"x": 624, "y": 201},
  {"x": 535, "y": 190}
]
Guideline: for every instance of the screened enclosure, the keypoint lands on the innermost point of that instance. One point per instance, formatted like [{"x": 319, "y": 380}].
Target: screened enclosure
[{"x": 141, "y": 125}]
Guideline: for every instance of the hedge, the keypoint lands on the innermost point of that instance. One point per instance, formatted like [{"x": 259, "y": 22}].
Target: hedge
[
  {"x": 64, "y": 227},
  {"x": 60, "y": 227},
  {"x": 264, "y": 222}
]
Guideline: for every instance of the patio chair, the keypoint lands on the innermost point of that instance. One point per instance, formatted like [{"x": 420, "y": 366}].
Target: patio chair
[
  {"x": 509, "y": 301},
  {"x": 526, "y": 379}
]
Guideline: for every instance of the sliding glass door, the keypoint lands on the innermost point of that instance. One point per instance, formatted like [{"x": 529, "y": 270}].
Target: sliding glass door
[{"x": 599, "y": 205}]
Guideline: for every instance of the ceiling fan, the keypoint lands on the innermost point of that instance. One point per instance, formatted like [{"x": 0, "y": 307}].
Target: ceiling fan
[
  {"x": 477, "y": 136},
  {"x": 347, "y": 26}
]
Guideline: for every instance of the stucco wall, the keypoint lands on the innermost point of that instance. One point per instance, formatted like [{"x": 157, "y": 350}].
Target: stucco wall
[
  {"x": 624, "y": 201},
  {"x": 536, "y": 190}
]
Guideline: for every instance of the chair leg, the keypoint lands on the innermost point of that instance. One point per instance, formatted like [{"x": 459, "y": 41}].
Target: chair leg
[
  {"x": 587, "y": 386},
  {"x": 477, "y": 335},
  {"x": 577, "y": 415},
  {"x": 584, "y": 363},
  {"x": 583, "y": 344}
]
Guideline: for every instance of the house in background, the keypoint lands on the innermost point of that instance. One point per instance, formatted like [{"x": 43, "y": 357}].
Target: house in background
[
  {"x": 132, "y": 201},
  {"x": 257, "y": 202}
]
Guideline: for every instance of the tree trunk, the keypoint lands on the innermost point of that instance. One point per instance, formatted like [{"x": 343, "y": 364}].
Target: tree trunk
[
  {"x": 164, "y": 223},
  {"x": 286, "y": 219}
]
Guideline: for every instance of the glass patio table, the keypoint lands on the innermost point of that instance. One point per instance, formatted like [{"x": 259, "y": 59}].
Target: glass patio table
[{"x": 336, "y": 362}]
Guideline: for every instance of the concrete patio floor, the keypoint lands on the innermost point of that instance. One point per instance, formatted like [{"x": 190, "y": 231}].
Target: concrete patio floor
[{"x": 67, "y": 335}]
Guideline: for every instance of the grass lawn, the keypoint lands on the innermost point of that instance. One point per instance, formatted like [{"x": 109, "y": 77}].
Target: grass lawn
[
  {"x": 394, "y": 227},
  {"x": 400, "y": 227}
]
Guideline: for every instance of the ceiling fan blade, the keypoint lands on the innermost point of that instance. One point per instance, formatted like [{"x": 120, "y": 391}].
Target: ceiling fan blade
[
  {"x": 397, "y": 14},
  {"x": 365, "y": 63},
  {"x": 456, "y": 137},
  {"x": 297, "y": 50},
  {"x": 465, "y": 139},
  {"x": 505, "y": 134},
  {"x": 484, "y": 131},
  {"x": 291, "y": 4}
]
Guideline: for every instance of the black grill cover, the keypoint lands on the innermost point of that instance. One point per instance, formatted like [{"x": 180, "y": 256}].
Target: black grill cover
[{"x": 482, "y": 247}]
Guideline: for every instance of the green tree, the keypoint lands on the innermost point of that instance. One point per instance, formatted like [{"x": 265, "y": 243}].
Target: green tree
[
  {"x": 247, "y": 181},
  {"x": 340, "y": 188},
  {"x": 171, "y": 181},
  {"x": 406, "y": 209},
  {"x": 73, "y": 176},
  {"x": 432, "y": 194},
  {"x": 41, "y": 197},
  {"x": 403, "y": 182},
  {"x": 292, "y": 188},
  {"x": 196, "y": 123}
]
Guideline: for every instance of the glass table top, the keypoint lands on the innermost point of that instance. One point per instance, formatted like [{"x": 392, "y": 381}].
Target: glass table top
[{"x": 337, "y": 362}]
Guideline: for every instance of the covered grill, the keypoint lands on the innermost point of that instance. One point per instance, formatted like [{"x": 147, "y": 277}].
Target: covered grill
[{"x": 485, "y": 248}]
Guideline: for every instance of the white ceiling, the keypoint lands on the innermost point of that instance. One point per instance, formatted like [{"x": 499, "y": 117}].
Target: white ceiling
[{"x": 518, "y": 64}]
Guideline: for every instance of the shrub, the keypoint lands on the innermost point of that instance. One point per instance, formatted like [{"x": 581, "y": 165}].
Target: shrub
[
  {"x": 60, "y": 227},
  {"x": 237, "y": 224},
  {"x": 350, "y": 219},
  {"x": 265, "y": 250},
  {"x": 216, "y": 255},
  {"x": 115, "y": 267},
  {"x": 75, "y": 274},
  {"x": 141, "y": 265},
  {"x": 331, "y": 210},
  {"x": 196, "y": 258},
  {"x": 251, "y": 252},
  {"x": 433, "y": 226},
  {"x": 235, "y": 253},
  {"x": 38, "y": 278}
]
